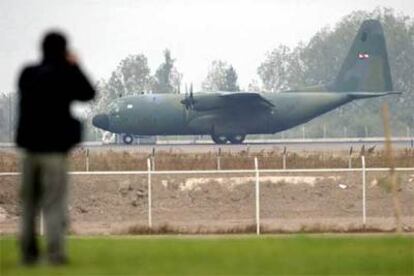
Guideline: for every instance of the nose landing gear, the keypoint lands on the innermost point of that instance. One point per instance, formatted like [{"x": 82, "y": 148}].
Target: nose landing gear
[{"x": 127, "y": 139}]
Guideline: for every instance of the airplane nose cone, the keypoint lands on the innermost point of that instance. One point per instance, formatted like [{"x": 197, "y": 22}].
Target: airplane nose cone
[{"x": 101, "y": 121}]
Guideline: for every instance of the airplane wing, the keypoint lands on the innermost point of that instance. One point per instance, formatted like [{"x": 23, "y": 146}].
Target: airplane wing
[
  {"x": 251, "y": 99},
  {"x": 226, "y": 100}
]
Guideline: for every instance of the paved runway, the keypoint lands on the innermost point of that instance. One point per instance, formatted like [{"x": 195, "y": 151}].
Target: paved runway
[
  {"x": 291, "y": 145},
  {"x": 297, "y": 145}
]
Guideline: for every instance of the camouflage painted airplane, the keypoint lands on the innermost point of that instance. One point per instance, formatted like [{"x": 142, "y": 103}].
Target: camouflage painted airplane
[{"x": 230, "y": 116}]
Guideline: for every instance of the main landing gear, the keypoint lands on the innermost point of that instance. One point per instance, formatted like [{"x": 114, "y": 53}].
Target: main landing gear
[{"x": 234, "y": 139}]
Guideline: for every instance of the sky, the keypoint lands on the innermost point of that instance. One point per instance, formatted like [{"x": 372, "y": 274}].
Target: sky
[{"x": 103, "y": 32}]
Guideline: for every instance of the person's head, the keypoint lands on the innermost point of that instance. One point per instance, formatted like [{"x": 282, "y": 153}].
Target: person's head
[{"x": 54, "y": 46}]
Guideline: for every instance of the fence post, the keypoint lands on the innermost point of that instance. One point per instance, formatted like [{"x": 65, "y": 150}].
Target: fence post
[
  {"x": 219, "y": 159},
  {"x": 364, "y": 217},
  {"x": 87, "y": 159},
  {"x": 350, "y": 158},
  {"x": 149, "y": 194},
  {"x": 42, "y": 223},
  {"x": 256, "y": 166},
  {"x": 284, "y": 158},
  {"x": 153, "y": 159}
]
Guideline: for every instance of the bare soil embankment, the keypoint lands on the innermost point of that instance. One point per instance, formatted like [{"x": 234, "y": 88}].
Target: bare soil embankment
[{"x": 224, "y": 203}]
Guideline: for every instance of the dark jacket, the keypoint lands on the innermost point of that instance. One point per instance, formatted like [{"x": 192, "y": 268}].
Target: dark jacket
[{"x": 45, "y": 94}]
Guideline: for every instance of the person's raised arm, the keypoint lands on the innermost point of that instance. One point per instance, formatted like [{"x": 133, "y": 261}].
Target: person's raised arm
[{"x": 80, "y": 87}]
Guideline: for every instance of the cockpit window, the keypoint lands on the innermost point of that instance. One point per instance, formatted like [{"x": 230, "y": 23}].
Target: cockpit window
[{"x": 114, "y": 108}]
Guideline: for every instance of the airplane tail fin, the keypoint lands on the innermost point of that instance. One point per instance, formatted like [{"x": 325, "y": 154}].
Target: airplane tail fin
[{"x": 366, "y": 66}]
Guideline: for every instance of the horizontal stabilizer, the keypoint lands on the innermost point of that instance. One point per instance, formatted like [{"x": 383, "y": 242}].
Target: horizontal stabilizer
[{"x": 363, "y": 95}]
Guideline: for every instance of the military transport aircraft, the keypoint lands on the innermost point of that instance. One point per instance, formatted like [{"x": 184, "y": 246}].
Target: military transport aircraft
[{"x": 230, "y": 116}]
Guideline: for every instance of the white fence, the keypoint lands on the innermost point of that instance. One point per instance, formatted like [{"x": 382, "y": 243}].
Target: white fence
[{"x": 256, "y": 171}]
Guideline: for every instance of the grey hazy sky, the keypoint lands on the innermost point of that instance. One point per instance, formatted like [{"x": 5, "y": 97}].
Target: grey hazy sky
[{"x": 102, "y": 32}]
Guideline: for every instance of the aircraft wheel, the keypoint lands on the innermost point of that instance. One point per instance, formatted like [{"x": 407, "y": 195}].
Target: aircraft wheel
[
  {"x": 236, "y": 139},
  {"x": 218, "y": 139},
  {"x": 128, "y": 139}
]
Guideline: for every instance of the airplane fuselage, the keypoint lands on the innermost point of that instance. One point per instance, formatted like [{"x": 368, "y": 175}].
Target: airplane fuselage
[{"x": 164, "y": 114}]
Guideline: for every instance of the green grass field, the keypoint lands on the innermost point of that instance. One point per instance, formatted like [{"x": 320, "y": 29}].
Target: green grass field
[{"x": 229, "y": 255}]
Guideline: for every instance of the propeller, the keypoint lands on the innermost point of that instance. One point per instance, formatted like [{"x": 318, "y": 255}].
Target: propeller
[{"x": 188, "y": 100}]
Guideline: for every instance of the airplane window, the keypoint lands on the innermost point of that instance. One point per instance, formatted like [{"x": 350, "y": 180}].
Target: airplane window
[{"x": 130, "y": 106}]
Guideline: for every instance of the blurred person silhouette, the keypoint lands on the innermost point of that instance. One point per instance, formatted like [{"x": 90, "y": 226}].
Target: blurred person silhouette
[{"x": 46, "y": 132}]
